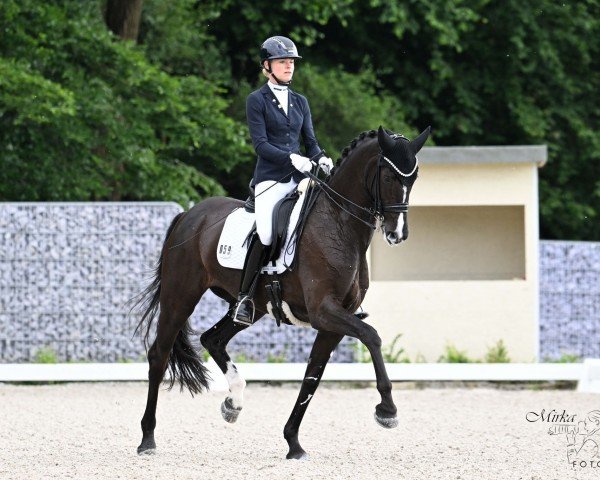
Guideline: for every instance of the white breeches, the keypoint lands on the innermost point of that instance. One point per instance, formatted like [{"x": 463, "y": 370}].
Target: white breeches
[{"x": 264, "y": 203}]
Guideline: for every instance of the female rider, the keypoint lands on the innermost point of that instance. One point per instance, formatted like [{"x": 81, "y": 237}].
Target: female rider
[{"x": 277, "y": 118}]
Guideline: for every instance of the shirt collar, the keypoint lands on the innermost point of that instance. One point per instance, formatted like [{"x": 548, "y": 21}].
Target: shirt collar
[{"x": 277, "y": 88}]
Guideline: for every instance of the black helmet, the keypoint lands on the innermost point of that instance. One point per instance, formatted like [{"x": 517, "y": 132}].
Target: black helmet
[{"x": 278, "y": 47}]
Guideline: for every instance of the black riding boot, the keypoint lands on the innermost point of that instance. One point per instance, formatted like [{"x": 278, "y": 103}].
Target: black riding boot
[{"x": 255, "y": 259}]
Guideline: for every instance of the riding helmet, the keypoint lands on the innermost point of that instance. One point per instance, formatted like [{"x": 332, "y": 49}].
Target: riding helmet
[{"x": 278, "y": 47}]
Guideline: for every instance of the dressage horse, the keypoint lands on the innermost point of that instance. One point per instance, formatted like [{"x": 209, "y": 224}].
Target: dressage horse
[{"x": 368, "y": 188}]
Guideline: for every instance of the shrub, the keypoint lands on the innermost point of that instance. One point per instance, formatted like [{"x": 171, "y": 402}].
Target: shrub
[
  {"x": 453, "y": 355},
  {"x": 497, "y": 354},
  {"x": 45, "y": 355}
]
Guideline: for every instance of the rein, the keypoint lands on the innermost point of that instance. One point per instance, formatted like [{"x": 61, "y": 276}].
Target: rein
[{"x": 377, "y": 212}]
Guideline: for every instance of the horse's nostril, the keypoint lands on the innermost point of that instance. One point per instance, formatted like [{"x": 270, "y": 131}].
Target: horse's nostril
[{"x": 392, "y": 236}]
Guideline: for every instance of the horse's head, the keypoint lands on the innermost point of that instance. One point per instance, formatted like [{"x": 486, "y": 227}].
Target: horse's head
[{"x": 397, "y": 170}]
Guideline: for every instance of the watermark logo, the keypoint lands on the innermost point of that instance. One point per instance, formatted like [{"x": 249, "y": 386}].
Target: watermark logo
[{"x": 582, "y": 434}]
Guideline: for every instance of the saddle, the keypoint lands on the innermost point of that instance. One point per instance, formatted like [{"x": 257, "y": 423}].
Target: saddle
[{"x": 289, "y": 216}]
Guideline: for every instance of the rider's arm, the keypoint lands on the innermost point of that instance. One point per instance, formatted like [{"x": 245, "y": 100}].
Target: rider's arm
[{"x": 258, "y": 132}]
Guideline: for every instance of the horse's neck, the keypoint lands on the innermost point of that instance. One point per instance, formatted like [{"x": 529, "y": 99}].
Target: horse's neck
[
  {"x": 349, "y": 179},
  {"x": 350, "y": 182}
]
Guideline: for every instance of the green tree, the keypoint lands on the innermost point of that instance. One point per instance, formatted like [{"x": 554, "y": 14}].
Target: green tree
[
  {"x": 84, "y": 116},
  {"x": 163, "y": 119},
  {"x": 480, "y": 72}
]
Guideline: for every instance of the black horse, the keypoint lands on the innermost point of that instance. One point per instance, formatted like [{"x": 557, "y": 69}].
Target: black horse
[{"x": 370, "y": 185}]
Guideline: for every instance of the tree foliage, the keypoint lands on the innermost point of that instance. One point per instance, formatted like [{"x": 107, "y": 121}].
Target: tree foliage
[{"x": 84, "y": 115}]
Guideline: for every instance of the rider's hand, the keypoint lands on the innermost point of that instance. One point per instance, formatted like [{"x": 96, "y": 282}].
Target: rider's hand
[
  {"x": 300, "y": 163},
  {"x": 326, "y": 164}
]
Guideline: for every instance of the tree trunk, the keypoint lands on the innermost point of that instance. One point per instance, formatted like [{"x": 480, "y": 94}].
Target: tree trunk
[{"x": 123, "y": 17}]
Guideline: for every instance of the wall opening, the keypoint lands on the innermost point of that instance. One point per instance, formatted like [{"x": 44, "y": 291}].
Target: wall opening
[{"x": 455, "y": 243}]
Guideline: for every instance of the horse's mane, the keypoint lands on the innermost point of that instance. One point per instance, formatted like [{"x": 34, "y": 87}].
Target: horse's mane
[
  {"x": 346, "y": 151},
  {"x": 361, "y": 136}
]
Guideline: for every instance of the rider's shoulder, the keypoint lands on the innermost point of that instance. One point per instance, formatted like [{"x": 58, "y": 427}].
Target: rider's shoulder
[
  {"x": 255, "y": 98},
  {"x": 259, "y": 92},
  {"x": 299, "y": 95},
  {"x": 300, "y": 98}
]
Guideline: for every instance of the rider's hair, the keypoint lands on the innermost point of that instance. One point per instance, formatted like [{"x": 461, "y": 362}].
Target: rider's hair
[{"x": 265, "y": 72}]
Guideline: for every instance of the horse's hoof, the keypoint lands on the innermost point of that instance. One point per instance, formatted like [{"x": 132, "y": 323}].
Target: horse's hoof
[
  {"x": 146, "y": 451},
  {"x": 297, "y": 455},
  {"x": 147, "y": 447},
  {"x": 389, "y": 422},
  {"x": 229, "y": 412}
]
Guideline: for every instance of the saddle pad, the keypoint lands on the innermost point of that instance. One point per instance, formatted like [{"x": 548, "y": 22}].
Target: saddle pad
[{"x": 231, "y": 249}]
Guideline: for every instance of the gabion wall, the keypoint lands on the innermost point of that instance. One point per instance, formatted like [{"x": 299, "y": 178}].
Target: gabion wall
[
  {"x": 569, "y": 299},
  {"x": 68, "y": 270}
]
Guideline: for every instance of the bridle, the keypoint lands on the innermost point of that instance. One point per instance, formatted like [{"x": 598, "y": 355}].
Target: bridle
[
  {"x": 380, "y": 208},
  {"x": 373, "y": 190}
]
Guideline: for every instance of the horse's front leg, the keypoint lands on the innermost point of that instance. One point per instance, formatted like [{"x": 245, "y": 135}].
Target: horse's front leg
[
  {"x": 332, "y": 317},
  {"x": 324, "y": 344}
]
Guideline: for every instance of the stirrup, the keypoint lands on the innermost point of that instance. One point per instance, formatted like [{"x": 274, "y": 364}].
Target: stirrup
[{"x": 237, "y": 308}]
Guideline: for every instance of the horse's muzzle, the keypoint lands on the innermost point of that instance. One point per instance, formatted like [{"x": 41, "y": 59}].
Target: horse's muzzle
[{"x": 393, "y": 238}]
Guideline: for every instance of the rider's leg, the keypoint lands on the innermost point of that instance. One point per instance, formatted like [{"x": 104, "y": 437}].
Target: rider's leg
[
  {"x": 255, "y": 259},
  {"x": 268, "y": 193}
]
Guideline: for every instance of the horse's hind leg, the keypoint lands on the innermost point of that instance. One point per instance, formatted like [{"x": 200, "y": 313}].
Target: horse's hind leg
[
  {"x": 215, "y": 341},
  {"x": 171, "y": 323},
  {"x": 324, "y": 344}
]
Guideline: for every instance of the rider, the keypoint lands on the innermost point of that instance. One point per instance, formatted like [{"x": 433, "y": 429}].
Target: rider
[{"x": 277, "y": 118}]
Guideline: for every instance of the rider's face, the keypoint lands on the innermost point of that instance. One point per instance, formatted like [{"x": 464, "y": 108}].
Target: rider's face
[{"x": 283, "y": 68}]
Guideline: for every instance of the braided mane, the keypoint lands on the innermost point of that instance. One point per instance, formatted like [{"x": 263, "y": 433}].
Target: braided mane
[
  {"x": 346, "y": 151},
  {"x": 361, "y": 136}
]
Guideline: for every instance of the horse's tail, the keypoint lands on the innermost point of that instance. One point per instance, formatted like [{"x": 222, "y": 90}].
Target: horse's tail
[{"x": 185, "y": 364}]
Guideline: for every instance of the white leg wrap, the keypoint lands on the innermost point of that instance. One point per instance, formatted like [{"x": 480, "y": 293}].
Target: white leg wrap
[{"x": 236, "y": 385}]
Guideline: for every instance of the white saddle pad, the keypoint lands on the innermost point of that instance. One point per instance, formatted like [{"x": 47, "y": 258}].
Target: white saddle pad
[{"x": 231, "y": 250}]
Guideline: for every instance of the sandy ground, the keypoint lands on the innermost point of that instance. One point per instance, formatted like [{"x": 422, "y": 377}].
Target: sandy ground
[{"x": 92, "y": 431}]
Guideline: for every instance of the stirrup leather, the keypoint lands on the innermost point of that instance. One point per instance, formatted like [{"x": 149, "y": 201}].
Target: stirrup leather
[{"x": 237, "y": 308}]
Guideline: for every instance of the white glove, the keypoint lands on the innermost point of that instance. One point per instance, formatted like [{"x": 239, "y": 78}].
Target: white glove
[
  {"x": 300, "y": 163},
  {"x": 326, "y": 164}
]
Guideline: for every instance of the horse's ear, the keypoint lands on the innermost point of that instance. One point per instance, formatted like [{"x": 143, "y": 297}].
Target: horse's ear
[
  {"x": 385, "y": 141},
  {"x": 417, "y": 143}
]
